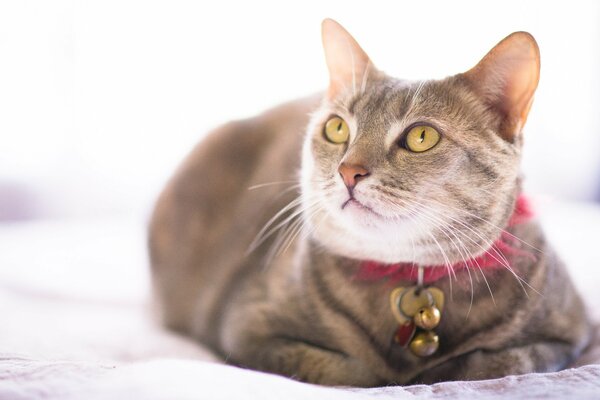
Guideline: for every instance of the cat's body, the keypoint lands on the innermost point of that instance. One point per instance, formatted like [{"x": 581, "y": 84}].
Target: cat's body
[
  {"x": 196, "y": 270},
  {"x": 301, "y": 311}
]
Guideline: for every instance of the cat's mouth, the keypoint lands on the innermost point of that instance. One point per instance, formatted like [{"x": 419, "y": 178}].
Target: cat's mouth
[
  {"x": 365, "y": 210},
  {"x": 355, "y": 204}
]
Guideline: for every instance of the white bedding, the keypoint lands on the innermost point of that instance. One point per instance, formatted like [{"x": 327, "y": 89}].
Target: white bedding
[{"x": 76, "y": 323}]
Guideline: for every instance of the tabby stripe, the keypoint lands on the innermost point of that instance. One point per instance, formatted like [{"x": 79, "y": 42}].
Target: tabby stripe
[
  {"x": 329, "y": 300},
  {"x": 485, "y": 168}
]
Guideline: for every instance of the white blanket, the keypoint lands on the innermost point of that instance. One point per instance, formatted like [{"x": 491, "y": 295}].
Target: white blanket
[{"x": 76, "y": 323}]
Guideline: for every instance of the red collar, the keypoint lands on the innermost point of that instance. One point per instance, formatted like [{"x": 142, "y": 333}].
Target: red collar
[{"x": 504, "y": 246}]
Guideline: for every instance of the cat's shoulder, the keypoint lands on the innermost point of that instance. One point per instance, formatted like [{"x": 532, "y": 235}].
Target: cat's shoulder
[
  {"x": 289, "y": 114},
  {"x": 243, "y": 139}
]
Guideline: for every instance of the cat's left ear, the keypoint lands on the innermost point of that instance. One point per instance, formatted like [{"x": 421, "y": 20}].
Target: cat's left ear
[
  {"x": 507, "y": 78},
  {"x": 349, "y": 66}
]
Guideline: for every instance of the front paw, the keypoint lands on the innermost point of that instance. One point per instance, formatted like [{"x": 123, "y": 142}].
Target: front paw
[
  {"x": 486, "y": 364},
  {"x": 310, "y": 363}
]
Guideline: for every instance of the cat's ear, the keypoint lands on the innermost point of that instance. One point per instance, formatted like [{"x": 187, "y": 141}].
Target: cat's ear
[
  {"x": 507, "y": 78},
  {"x": 348, "y": 64}
]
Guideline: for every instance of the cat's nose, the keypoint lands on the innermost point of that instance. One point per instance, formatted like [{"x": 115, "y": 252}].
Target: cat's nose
[{"x": 352, "y": 173}]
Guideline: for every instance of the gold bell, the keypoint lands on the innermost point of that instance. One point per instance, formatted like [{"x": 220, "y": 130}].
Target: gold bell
[
  {"x": 427, "y": 317},
  {"x": 425, "y": 344}
]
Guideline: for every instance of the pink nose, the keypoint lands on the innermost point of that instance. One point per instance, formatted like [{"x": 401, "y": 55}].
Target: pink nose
[{"x": 352, "y": 173}]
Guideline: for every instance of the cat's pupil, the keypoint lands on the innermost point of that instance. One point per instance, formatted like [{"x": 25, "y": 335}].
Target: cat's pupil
[
  {"x": 422, "y": 137},
  {"x": 339, "y": 128}
]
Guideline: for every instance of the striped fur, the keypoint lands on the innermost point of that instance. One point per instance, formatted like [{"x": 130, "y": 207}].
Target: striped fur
[{"x": 286, "y": 300}]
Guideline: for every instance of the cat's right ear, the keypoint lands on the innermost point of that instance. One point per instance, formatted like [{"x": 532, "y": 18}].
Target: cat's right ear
[{"x": 348, "y": 64}]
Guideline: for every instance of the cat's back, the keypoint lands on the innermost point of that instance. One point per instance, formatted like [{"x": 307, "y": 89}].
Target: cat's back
[{"x": 206, "y": 217}]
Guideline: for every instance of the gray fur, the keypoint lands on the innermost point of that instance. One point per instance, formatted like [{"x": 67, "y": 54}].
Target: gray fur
[{"x": 299, "y": 311}]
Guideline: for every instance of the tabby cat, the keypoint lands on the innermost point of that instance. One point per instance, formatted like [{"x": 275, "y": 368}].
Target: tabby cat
[{"x": 281, "y": 238}]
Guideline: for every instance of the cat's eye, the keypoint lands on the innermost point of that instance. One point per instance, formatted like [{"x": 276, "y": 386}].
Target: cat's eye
[
  {"x": 421, "y": 138},
  {"x": 336, "y": 130}
]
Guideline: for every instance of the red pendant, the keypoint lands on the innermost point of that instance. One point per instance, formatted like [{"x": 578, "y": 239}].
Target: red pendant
[{"x": 405, "y": 333}]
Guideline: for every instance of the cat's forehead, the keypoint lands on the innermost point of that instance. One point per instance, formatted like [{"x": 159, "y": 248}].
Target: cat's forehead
[
  {"x": 383, "y": 98},
  {"x": 393, "y": 103}
]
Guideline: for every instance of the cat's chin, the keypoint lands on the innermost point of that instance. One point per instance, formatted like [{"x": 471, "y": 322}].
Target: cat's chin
[
  {"x": 377, "y": 253},
  {"x": 372, "y": 218},
  {"x": 362, "y": 213},
  {"x": 365, "y": 236},
  {"x": 358, "y": 215}
]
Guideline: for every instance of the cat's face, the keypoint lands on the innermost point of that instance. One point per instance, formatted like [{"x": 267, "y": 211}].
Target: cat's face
[{"x": 423, "y": 172}]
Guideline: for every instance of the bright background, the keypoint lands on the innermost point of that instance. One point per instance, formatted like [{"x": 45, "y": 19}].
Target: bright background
[{"x": 100, "y": 100}]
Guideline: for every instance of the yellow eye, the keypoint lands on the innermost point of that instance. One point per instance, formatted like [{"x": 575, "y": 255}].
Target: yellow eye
[
  {"x": 422, "y": 138},
  {"x": 336, "y": 130}
]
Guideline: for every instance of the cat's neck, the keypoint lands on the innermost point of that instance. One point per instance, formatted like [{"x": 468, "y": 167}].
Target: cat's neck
[{"x": 496, "y": 257}]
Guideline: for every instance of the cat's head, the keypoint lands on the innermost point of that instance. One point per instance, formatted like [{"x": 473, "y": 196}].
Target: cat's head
[{"x": 425, "y": 172}]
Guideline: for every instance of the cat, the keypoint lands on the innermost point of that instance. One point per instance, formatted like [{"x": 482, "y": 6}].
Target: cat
[{"x": 375, "y": 185}]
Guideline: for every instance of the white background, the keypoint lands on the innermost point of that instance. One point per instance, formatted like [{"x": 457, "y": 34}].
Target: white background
[{"x": 100, "y": 100}]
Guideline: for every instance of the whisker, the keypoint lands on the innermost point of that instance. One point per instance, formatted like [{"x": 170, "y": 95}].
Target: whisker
[
  {"x": 496, "y": 255},
  {"x": 491, "y": 224},
  {"x": 439, "y": 224},
  {"x": 261, "y": 185},
  {"x": 365, "y": 77},
  {"x": 487, "y": 284},
  {"x": 447, "y": 262},
  {"x": 260, "y": 236},
  {"x": 263, "y": 234},
  {"x": 432, "y": 214},
  {"x": 288, "y": 223},
  {"x": 287, "y": 226},
  {"x": 460, "y": 210},
  {"x": 300, "y": 227}
]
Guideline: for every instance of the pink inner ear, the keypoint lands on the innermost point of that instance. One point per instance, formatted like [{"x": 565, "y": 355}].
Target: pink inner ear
[
  {"x": 348, "y": 64},
  {"x": 507, "y": 77}
]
